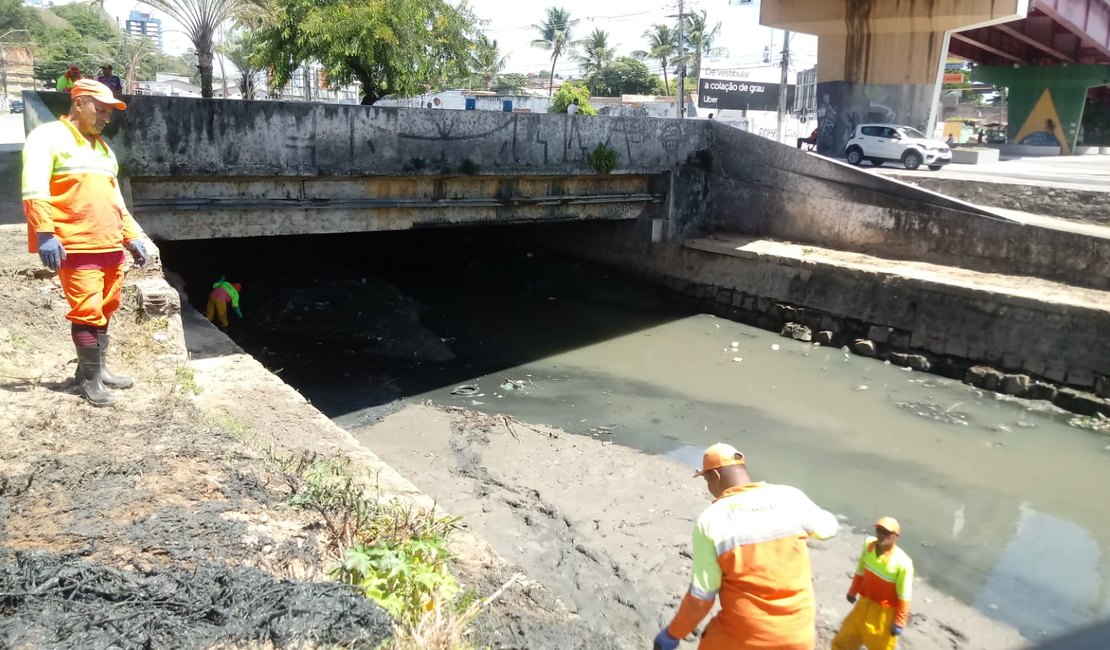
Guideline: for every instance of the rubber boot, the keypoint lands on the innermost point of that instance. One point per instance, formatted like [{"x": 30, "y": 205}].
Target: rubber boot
[
  {"x": 109, "y": 378},
  {"x": 90, "y": 380}
]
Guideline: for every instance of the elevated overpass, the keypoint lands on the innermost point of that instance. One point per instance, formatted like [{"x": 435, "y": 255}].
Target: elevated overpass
[{"x": 880, "y": 60}]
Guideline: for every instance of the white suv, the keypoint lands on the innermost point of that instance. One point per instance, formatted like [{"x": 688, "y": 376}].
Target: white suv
[{"x": 882, "y": 143}]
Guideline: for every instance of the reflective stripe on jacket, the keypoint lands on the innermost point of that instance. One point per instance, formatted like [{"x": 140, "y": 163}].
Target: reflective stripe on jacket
[
  {"x": 886, "y": 580},
  {"x": 749, "y": 549},
  {"x": 70, "y": 189}
]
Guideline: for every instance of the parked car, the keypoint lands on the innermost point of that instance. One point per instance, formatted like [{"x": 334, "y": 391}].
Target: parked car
[
  {"x": 16, "y": 105},
  {"x": 883, "y": 143}
]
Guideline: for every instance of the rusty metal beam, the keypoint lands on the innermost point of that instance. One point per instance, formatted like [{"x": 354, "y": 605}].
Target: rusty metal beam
[
  {"x": 963, "y": 38},
  {"x": 1028, "y": 40}
]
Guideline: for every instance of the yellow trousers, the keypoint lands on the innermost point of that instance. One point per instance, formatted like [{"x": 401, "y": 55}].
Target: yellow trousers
[
  {"x": 868, "y": 625},
  {"x": 217, "y": 312}
]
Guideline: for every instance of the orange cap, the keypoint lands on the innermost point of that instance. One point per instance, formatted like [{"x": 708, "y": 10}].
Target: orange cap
[
  {"x": 97, "y": 91},
  {"x": 719, "y": 455},
  {"x": 889, "y": 523}
]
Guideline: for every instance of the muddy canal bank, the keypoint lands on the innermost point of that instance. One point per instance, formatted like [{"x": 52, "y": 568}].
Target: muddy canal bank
[{"x": 607, "y": 528}]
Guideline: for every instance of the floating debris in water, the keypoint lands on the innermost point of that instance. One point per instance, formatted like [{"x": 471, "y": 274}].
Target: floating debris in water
[
  {"x": 775, "y": 347},
  {"x": 738, "y": 359},
  {"x": 466, "y": 390},
  {"x": 861, "y": 387},
  {"x": 736, "y": 344},
  {"x": 935, "y": 412}
]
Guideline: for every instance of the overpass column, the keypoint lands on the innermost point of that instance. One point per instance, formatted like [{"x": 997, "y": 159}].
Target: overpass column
[
  {"x": 1045, "y": 104},
  {"x": 880, "y": 60}
]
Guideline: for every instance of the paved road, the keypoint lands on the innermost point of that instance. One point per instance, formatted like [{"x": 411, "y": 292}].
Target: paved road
[{"x": 1072, "y": 172}]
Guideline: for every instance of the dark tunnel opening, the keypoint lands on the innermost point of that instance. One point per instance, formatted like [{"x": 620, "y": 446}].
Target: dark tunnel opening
[{"x": 357, "y": 321}]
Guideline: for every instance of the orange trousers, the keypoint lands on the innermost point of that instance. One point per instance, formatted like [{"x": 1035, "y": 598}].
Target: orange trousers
[
  {"x": 868, "y": 625},
  {"x": 217, "y": 312},
  {"x": 92, "y": 293},
  {"x": 716, "y": 637}
]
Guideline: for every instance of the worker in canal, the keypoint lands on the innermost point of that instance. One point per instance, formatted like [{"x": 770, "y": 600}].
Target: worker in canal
[
  {"x": 79, "y": 225},
  {"x": 881, "y": 592},
  {"x": 223, "y": 292},
  {"x": 749, "y": 551}
]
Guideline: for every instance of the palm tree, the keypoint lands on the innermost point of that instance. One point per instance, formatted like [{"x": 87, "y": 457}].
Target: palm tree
[
  {"x": 596, "y": 53},
  {"x": 662, "y": 47},
  {"x": 488, "y": 62},
  {"x": 554, "y": 36},
  {"x": 201, "y": 19},
  {"x": 239, "y": 49},
  {"x": 699, "y": 40}
]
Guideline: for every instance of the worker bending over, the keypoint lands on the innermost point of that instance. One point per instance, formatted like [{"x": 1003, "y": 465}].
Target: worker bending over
[
  {"x": 749, "y": 550},
  {"x": 222, "y": 293},
  {"x": 883, "y": 584}
]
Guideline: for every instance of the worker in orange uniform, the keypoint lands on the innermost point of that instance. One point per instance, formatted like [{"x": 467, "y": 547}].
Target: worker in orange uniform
[
  {"x": 223, "y": 292},
  {"x": 883, "y": 585},
  {"x": 79, "y": 225},
  {"x": 749, "y": 550}
]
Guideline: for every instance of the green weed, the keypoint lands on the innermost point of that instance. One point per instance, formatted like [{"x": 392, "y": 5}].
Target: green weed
[
  {"x": 603, "y": 159},
  {"x": 186, "y": 379}
]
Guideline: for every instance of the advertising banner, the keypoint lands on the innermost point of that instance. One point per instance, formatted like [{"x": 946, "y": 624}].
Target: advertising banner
[{"x": 740, "y": 95}]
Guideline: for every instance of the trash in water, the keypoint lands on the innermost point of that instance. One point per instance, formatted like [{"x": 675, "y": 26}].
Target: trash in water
[
  {"x": 466, "y": 390},
  {"x": 775, "y": 347},
  {"x": 475, "y": 402},
  {"x": 736, "y": 344},
  {"x": 738, "y": 359},
  {"x": 861, "y": 387},
  {"x": 516, "y": 384}
]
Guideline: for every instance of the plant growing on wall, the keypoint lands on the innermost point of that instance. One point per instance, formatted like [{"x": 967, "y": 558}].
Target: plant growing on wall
[
  {"x": 569, "y": 92},
  {"x": 603, "y": 159}
]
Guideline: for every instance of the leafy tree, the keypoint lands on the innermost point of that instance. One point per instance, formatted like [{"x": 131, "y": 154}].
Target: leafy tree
[
  {"x": 399, "y": 47},
  {"x": 662, "y": 47},
  {"x": 511, "y": 83},
  {"x": 201, "y": 20},
  {"x": 239, "y": 49},
  {"x": 554, "y": 36},
  {"x": 15, "y": 17},
  {"x": 570, "y": 91},
  {"x": 595, "y": 52},
  {"x": 625, "y": 76},
  {"x": 58, "y": 49},
  {"x": 89, "y": 21},
  {"x": 488, "y": 62},
  {"x": 700, "y": 38}
]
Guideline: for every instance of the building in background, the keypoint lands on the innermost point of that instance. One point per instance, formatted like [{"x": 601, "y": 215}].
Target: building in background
[
  {"x": 805, "y": 94},
  {"x": 143, "y": 24}
]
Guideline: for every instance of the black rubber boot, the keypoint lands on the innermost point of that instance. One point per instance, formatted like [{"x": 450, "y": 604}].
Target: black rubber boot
[
  {"x": 90, "y": 378},
  {"x": 111, "y": 379}
]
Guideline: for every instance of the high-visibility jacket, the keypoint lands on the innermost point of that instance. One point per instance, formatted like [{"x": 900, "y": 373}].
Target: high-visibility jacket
[
  {"x": 232, "y": 294},
  {"x": 749, "y": 550},
  {"x": 70, "y": 189},
  {"x": 886, "y": 579}
]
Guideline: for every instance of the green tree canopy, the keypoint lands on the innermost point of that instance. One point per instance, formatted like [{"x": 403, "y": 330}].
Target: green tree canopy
[
  {"x": 594, "y": 52},
  {"x": 700, "y": 39},
  {"x": 511, "y": 83},
  {"x": 554, "y": 34},
  {"x": 566, "y": 95},
  {"x": 89, "y": 21},
  {"x": 401, "y": 47},
  {"x": 625, "y": 76},
  {"x": 662, "y": 43},
  {"x": 488, "y": 61}
]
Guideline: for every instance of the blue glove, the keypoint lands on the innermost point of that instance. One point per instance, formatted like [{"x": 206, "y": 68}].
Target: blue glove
[
  {"x": 895, "y": 630},
  {"x": 664, "y": 641},
  {"x": 238, "y": 312},
  {"x": 138, "y": 251},
  {"x": 51, "y": 251}
]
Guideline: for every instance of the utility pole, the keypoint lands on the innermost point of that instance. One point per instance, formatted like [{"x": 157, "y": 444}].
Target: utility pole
[
  {"x": 680, "y": 104},
  {"x": 783, "y": 83}
]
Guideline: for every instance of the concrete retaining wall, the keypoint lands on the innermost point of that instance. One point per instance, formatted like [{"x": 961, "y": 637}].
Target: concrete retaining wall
[{"x": 760, "y": 188}]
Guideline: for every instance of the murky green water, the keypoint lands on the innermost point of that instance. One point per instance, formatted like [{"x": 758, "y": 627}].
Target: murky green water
[{"x": 1002, "y": 504}]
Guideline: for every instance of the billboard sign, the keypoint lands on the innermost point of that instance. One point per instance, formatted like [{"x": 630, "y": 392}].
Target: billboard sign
[{"x": 740, "y": 95}]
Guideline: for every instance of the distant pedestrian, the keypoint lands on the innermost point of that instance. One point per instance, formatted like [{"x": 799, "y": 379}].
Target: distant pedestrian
[
  {"x": 573, "y": 108},
  {"x": 749, "y": 551},
  {"x": 950, "y": 142},
  {"x": 883, "y": 585},
  {"x": 811, "y": 140},
  {"x": 111, "y": 80},
  {"x": 980, "y": 140},
  {"x": 68, "y": 78},
  {"x": 223, "y": 292},
  {"x": 711, "y": 116},
  {"x": 429, "y": 105}
]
